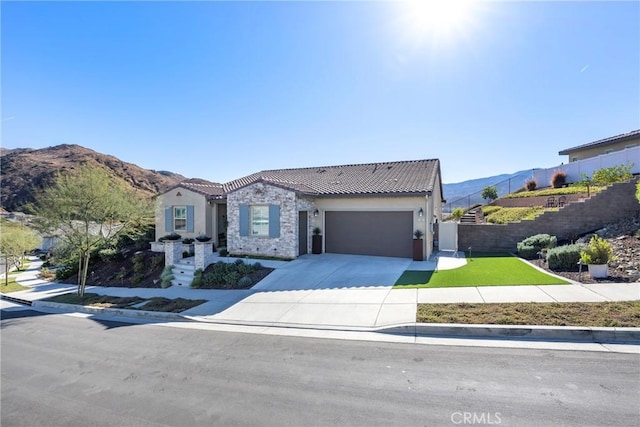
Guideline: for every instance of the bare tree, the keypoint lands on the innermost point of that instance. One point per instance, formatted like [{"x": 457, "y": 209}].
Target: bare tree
[{"x": 89, "y": 210}]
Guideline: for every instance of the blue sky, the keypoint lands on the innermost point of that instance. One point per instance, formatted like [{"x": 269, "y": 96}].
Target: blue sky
[{"x": 219, "y": 90}]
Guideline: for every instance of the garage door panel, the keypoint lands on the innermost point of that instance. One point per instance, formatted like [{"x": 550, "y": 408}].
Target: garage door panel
[{"x": 383, "y": 233}]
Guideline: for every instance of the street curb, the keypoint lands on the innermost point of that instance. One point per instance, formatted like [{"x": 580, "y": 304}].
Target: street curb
[
  {"x": 439, "y": 330},
  {"x": 519, "y": 332},
  {"x": 108, "y": 311},
  {"x": 16, "y": 300}
]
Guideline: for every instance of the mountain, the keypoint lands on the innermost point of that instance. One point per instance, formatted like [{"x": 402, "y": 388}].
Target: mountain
[
  {"x": 27, "y": 171},
  {"x": 468, "y": 193}
]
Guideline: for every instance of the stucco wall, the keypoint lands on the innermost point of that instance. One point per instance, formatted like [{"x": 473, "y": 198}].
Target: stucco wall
[
  {"x": 285, "y": 246},
  {"x": 201, "y": 208}
]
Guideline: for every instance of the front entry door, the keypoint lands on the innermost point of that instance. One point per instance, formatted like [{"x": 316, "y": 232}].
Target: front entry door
[{"x": 302, "y": 232}]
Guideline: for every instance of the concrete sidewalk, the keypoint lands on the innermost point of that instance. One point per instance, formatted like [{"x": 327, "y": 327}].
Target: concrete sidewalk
[{"x": 331, "y": 306}]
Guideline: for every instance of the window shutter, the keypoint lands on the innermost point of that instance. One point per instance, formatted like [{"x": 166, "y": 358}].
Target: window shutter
[
  {"x": 244, "y": 220},
  {"x": 190, "y": 219},
  {"x": 274, "y": 220},
  {"x": 168, "y": 219}
]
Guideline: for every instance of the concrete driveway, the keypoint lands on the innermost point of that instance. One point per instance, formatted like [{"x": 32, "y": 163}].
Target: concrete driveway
[
  {"x": 329, "y": 290},
  {"x": 337, "y": 271}
]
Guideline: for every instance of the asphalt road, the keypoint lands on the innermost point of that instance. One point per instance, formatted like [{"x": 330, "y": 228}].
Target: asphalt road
[{"x": 67, "y": 371}]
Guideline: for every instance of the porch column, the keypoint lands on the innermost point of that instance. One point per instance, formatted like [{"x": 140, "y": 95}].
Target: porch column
[
  {"x": 203, "y": 254},
  {"x": 172, "y": 251}
]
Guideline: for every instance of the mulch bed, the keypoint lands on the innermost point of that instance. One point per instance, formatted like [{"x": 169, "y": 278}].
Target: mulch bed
[{"x": 614, "y": 275}]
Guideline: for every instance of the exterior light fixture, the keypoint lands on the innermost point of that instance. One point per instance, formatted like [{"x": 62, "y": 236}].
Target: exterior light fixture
[
  {"x": 420, "y": 213},
  {"x": 315, "y": 212}
]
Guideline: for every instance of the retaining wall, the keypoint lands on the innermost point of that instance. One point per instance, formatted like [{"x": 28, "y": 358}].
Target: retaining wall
[{"x": 615, "y": 203}]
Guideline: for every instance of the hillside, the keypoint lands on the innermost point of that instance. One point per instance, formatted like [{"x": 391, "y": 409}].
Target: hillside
[
  {"x": 26, "y": 171},
  {"x": 467, "y": 193}
]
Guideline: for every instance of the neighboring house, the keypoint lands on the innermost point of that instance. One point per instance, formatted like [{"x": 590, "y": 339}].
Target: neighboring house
[
  {"x": 367, "y": 209},
  {"x": 603, "y": 146}
]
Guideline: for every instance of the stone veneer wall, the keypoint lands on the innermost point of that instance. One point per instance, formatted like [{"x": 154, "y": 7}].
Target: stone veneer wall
[
  {"x": 286, "y": 246},
  {"x": 610, "y": 205},
  {"x": 204, "y": 255}
]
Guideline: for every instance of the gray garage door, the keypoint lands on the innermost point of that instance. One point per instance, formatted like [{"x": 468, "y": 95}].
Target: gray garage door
[{"x": 369, "y": 233}]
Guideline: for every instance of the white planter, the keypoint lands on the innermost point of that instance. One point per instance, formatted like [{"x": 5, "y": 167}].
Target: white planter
[{"x": 599, "y": 271}]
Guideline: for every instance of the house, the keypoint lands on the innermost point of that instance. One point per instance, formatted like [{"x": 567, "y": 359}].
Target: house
[
  {"x": 603, "y": 146},
  {"x": 366, "y": 209}
]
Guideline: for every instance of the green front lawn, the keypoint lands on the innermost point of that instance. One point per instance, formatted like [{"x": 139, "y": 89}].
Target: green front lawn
[
  {"x": 12, "y": 286},
  {"x": 480, "y": 270}
]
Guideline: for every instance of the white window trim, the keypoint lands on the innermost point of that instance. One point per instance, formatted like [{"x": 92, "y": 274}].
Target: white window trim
[
  {"x": 176, "y": 218},
  {"x": 263, "y": 228}
]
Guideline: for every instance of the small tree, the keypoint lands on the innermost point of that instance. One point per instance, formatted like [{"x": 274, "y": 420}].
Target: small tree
[
  {"x": 90, "y": 210},
  {"x": 15, "y": 241},
  {"x": 457, "y": 213},
  {"x": 490, "y": 192}
]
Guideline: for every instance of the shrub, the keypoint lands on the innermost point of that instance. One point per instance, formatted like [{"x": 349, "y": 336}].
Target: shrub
[
  {"x": 558, "y": 179},
  {"x": 638, "y": 191},
  {"x": 564, "y": 257},
  {"x": 137, "y": 278},
  {"x": 109, "y": 254},
  {"x": 599, "y": 251},
  {"x": 167, "y": 276},
  {"x": 197, "y": 278},
  {"x": 608, "y": 176},
  {"x": 223, "y": 252},
  {"x": 45, "y": 273},
  {"x": 529, "y": 247},
  {"x": 257, "y": 266},
  {"x": 138, "y": 263},
  {"x": 157, "y": 261},
  {"x": 245, "y": 282},
  {"x": 238, "y": 262},
  {"x": 541, "y": 241},
  {"x": 531, "y": 184},
  {"x": 231, "y": 278},
  {"x": 527, "y": 251},
  {"x": 457, "y": 213},
  {"x": 188, "y": 241}
]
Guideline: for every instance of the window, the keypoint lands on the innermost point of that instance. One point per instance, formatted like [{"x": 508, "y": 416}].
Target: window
[
  {"x": 574, "y": 159},
  {"x": 260, "y": 220},
  {"x": 180, "y": 218}
]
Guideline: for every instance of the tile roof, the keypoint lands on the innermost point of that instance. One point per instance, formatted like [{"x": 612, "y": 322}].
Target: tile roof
[
  {"x": 405, "y": 177},
  {"x": 211, "y": 191},
  {"x": 413, "y": 177},
  {"x": 622, "y": 137}
]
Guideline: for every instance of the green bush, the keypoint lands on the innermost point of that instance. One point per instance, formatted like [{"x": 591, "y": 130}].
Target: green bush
[
  {"x": 138, "y": 263},
  {"x": 223, "y": 252},
  {"x": 527, "y": 251},
  {"x": 457, "y": 213},
  {"x": 608, "y": 176},
  {"x": 256, "y": 266},
  {"x": 529, "y": 247},
  {"x": 231, "y": 278},
  {"x": 109, "y": 254},
  {"x": 245, "y": 282},
  {"x": 599, "y": 251},
  {"x": 238, "y": 262},
  {"x": 197, "y": 279},
  {"x": 167, "y": 276},
  {"x": 541, "y": 241},
  {"x": 564, "y": 257},
  {"x": 137, "y": 278},
  {"x": 157, "y": 261}
]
